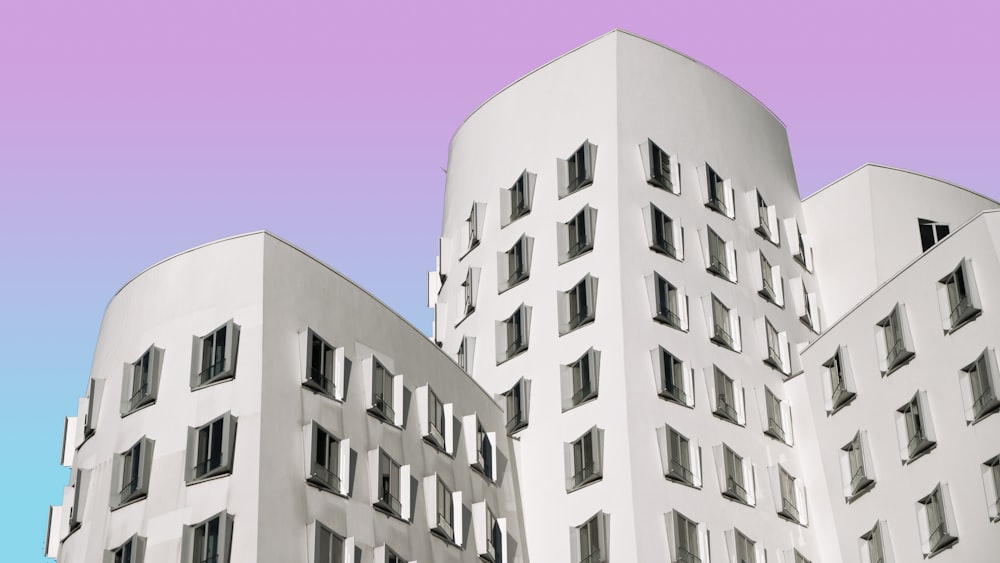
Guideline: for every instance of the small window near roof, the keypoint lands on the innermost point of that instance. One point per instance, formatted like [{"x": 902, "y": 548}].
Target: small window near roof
[{"x": 931, "y": 232}]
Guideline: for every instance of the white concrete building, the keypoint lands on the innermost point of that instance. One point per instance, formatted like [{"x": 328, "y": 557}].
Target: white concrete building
[{"x": 672, "y": 358}]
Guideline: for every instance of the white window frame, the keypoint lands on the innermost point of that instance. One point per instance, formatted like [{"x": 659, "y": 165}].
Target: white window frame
[
  {"x": 470, "y": 293},
  {"x": 328, "y": 546},
  {"x": 512, "y": 334},
  {"x": 213, "y": 458},
  {"x": 380, "y": 382},
  {"x": 936, "y": 521},
  {"x": 578, "y": 305},
  {"x": 385, "y": 554},
  {"x": 874, "y": 545},
  {"x": 674, "y": 377},
  {"x": 141, "y": 381},
  {"x": 726, "y": 396},
  {"x": 130, "y": 473},
  {"x": 980, "y": 385},
  {"x": 725, "y": 323},
  {"x": 480, "y": 447},
  {"x": 516, "y": 405},
  {"x": 579, "y": 380},
  {"x": 722, "y": 202},
  {"x": 328, "y": 462},
  {"x": 688, "y": 544},
  {"x": 857, "y": 468},
  {"x": 680, "y": 456},
  {"x": 436, "y": 419},
  {"x": 776, "y": 415},
  {"x": 518, "y": 255},
  {"x": 743, "y": 549},
  {"x": 914, "y": 428},
  {"x": 466, "y": 355},
  {"x": 95, "y": 392},
  {"x": 663, "y": 170},
  {"x": 668, "y": 303},
  {"x": 839, "y": 389},
  {"x": 325, "y": 375},
  {"x": 595, "y": 529},
  {"x": 958, "y": 296},
  {"x": 664, "y": 234},
  {"x": 789, "y": 495},
  {"x": 489, "y": 533},
  {"x": 577, "y": 170},
  {"x": 390, "y": 484},
  {"x": 516, "y": 200},
  {"x": 805, "y": 303},
  {"x": 576, "y": 236},
  {"x": 223, "y": 340},
  {"x": 79, "y": 498},
  {"x": 444, "y": 509},
  {"x": 133, "y": 550},
  {"x": 720, "y": 255},
  {"x": 223, "y": 522},
  {"x": 584, "y": 459},
  {"x": 765, "y": 216},
  {"x": 736, "y": 475}
]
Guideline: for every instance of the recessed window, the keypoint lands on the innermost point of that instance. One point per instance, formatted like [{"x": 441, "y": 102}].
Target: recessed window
[
  {"x": 141, "y": 381},
  {"x": 577, "y": 236},
  {"x": 579, "y": 380},
  {"x": 590, "y": 540},
  {"x": 777, "y": 353},
  {"x": 516, "y": 200},
  {"x": 936, "y": 520},
  {"x": 385, "y": 405},
  {"x": 512, "y": 334},
  {"x": 674, "y": 380},
  {"x": 437, "y": 421},
  {"x": 489, "y": 536},
  {"x": 388, "y": 497},
  {"x": 810, "y": 314},
  {"x": 209, "y": 541},
  {"x": 914, "y": 429},
  {"x": 875, "y": 544},
  {"x": 670, "y": 305},
  {"x": 991, "y": 484},
  {"x": 980, "y": 382},
  {"x": 664, "y": 233},
  {"x": 680, "y": 456},
  {"x": 94, "y": 392},
  {"x": 465, "y": 358},
  {"x": 725, "y": 325},
  {"x": 514, "y": 266},
  {"x": 444, "y": 510},
  {"x": 792, "y": 505},
  {"x": 516, "y": 402},
  {"x": 79, "y": 499},
  {"x": 767, "y": 220},
  {"x": 721, "y": 256},
  {"x": 737, "y": 476},
  {"x": 662, "y": 169},
  {"x": 210, "y": 449},
  {"x": 323, "y": 366},
  {"x": 798, "y": 557},
  {"x": 131, "y": 473},
  {"x": 778, "y": 417},
  {"x": 728, "y": 398},
  {"x": 931, "y": 232},
  {"x": 838, "y": 381},
  {"x": 746, "y": 549},
  {"x": 329, "y": 546},
  {"x": 470, "y": 289},
  {"x": 687, "y": 539},
  {"x": 485, "y": 450},
  {"x": 577, "y": 171},
  {"x": 385, "y": 554},
  {"x": 584, "y": 458},
  {"x": 803, "y": 249},
  {"x": 770, "y": 282},
  {"x": 577, "y": 306},
  {"x": 857, "y": 468},
  {"x": 958, "y": 294},
  {"x": 473, "y": 225},
  {"x": 132, "y": 551},
  {"x": 216, "y": 355},
  {"x": 325, "y": 461},
  {"x": 893, "y": 340},
  {"x": 718, "y": 193}
]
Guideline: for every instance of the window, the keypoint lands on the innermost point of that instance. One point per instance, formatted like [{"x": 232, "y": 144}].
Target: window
[
  {"x": 809, "y": 316},
  {"x": 856, "y": 466},
  {"x": 444, "y": 510},
  {"x": 470, "y": 288},
  {"x": 936, "y": 520},
  {"x": 803, "y": 251},
  {"x": 770, "y": 282},
  {"x": 913, "y": 426},
  {"x": 660, "y": 167},
  {"x": 577, "y": 171},
  {"x": 875, "y": 544},
  {"x": 473, "y": 225},
  {"x": 141, "y": 381},
  {"x": 388, "y": 485},
  {"x": 93, "y": 406},
  {"x": 514, "y": 265},
  {"x": 516, "y": 199},
  {"x": 777, "y": 417},
  {"x": 384, "y": 554},
  {"x": 493, "y": 539},
  {"x": 577, "y": 236},
  {"x": 210, "y": 448},
  {"x": 839, "y": 382},
  {"x": 767, "y": 220},
  {"x": 795, "y": 557},
  {"x": 664, "y": 239},
  {"x": 721, "y": 256},
  {"x": 216, "y": 355},
  {"x": 728, "y": 398},
  {"x": 437, "y": 421},
  {"x": 584, "y": 459},
  {"x": 577, "y": 305},
  {"x": 674, "y": 379},
  {"x": 130, "y": 476},
  {"x": 512, "y": 334},
  {"x": 725, "y": 325},
  {"x": 79, "y": 498},
  {"x": 743, "y": 549},
  {"x": 790, "y": 498},
  {"x": 680, "y": 456},
  {"x": 579, "y": 379},
  {"x": 132, "y": 551},
  {"x": 669, "y": 303},
  {"x": 209, "y": 541},
  {"x": 590, "y": 540},
  {"x": 516, "y": 401},
  {"x": 774, "y": 346},
  {"x": 980, "y": 381},
  {"x": 736, "y": 474},
  {"x": 329, "y": 546},
  {"x": 719, "y": 196},
  {"x": 893, "y": 340},
  {"x": 322, "y": 366},
  {"x": 485, "y": 451},
  {"x": 686, "y": 544},
  {"x": 991, "y": 483},
  {"x": 324, "y": 467},
  {"x": 462, "y": 356},
  {"x": 959, "y": 297},
  {"x": 384, "y": 400},
  {"x": 931, "y": 232}
]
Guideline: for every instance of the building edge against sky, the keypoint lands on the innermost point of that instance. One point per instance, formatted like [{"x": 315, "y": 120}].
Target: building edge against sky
[{"x": 674, "y": 354}]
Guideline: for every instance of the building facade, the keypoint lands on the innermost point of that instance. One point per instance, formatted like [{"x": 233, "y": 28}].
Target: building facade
[{"x": 645, "y": 347}]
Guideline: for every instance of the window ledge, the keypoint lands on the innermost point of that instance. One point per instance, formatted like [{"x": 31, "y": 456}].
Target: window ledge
[
  {"x": 582, "y": 402},
  {"x": 389, "y": 513},
  {"x": 380, "y": 416},
  {"x": 680, "y": 481},
  {"x": 986, "y": 413},
  {"x": 200, "y": 480},
  {"x": 585, "y": 484},
  {"x": 502, "y": 290},
  {"x": 968, "y": 319},
  {"x": 129, "y": 502},
  {"x": 581, "y": 324},
  {"x": 944, "y": 544},
  {"x": 928, "y": 449},
  {"x": 315, "y": 390},
  {"x": 567, "y": 259},
  {"x": 216, "y": 381},
  {"x": 326, "y": 489},
  {"x": 843, "y": 403},
  {"x": 512, "y": 356},
  {"x": 860, "y": 492},
  {"x": 472, "y": 247},
  {"x": 900, "y": 363},
  {"x": 139, "y": 408},
  {"x": 465, "y": 316}
]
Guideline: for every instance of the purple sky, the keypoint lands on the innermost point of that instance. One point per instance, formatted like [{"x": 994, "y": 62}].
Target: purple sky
[{"x": 133, "y": 130}]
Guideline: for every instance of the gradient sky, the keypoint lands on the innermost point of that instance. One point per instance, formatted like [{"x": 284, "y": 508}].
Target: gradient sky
[{"x": 130, "y": 131}]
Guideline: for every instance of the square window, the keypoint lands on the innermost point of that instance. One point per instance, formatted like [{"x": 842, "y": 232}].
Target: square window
[
  {"x": 141, "y": 381},
  {"x": 388, "y": 499},
  {"x": 516, "y": 402},
  {"x": 215, "y": 356},
  {"x": 131, "y": 473},
  {"x": 590, "y": 540},
  {"x": 132, "y": 551},
  {"x": 579, "y": 380},
  {"x": 959, "y": 297},
  {"x": 577, "y": 306},
  {"x": 936, "y": 520},
  {"x": 584, "y": 457},
  {"x": 913, "y": 426},
  {"x": 210, "y": 449},
  {"x": 324, "y": 466},
  {"x": 322, "y": 365},
  {"x": 577, "y": 171},
  {"x": 855, "y": 460},
  {"x": 329, "y": 546},
  {"x": 209, "y": 541},
  {"x": 577, "y": 236}
]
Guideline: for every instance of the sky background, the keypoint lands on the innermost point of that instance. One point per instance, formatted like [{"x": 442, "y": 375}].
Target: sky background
[{"x": 130, "y": 131}]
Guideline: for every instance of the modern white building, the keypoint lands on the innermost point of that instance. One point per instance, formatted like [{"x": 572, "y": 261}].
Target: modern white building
[{"x": 672, "y": 357}]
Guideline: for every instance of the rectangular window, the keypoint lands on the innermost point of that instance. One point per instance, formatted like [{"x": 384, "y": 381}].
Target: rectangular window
[
  {"x": 519, "y": 197},
  {"x": 388, "y": 485},
  {"x": 142, "y": 379},
  {"x": 132, "y": 551},
  {"x": 934, "y": 512},
  {"x": 789, "y": 499},
  {"x": 981, "y": 383},
  {"x": 93, "y": 404},
  {"x": 874, "y": 544},
  {"x": 723, "y": 329},
  {"x": 859, "y": 476},
  {"x": 383, "y": 401},
  {"x": 659, "y": 170},
  {"x": 583, "y": 379},
  {"x": 736, "y": 488},
  {"x": 577, "y": 306},
  {"x": 473, "y": 226},
  {"x": 663, "y": 233},
  {"x": 392, "y": 557},
  {"x": 746, "y": 551},
  {"x": 577, "y": 171},
  {"x": 679, "y": 456},
  {"x": 775, "y": 416},
  {"x": 914, "y": 429},
  {"x": 210, "y": 448},
  {"x": 959, "y": 296},
  {"x": 210, "y": 541},
  {"x": 931, "y": 232},
  {"x": 591, "y": 541},
  {"x": 329, "y": 545},
  {"x": 688, "y": 542},
  {"x": 470, "y": 288},
  {"x": 216, "y": 355},
  {"x": 325, "y": 464},
  {"x": 668, "y": 303},
  {"x": 803, "y": 254},
  {"x": 674, "y": 384},
  {"x": 840, "y": 388},
  {"x": 516, "y": 401},
  {"x": 774, "y": 352},
  {"x": 515, "y": 263},
  {"x": 808, "y": 306},
  {"x": 584, "y": 459},
  {"x": 767, "y": 280},
  {"x": 717, "y": 199},
  {"x": 763, "y": 218},
  {"x": 991, "y": 483},
  {"x": 322, "y": 364},
  {"x": 719, "y": 256},
  {"x": 484, "y": 451},
  {"x": 577, "y": 236},
  {"x": 513, "y": 333},
  {"x": 131, "y": 473},
  {"x": 492, "y": 538},
  {"x": 445, "y": 511},
  {"x": 726, "y": 397},
  {"x": 436, "y": 419}
]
